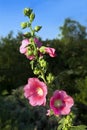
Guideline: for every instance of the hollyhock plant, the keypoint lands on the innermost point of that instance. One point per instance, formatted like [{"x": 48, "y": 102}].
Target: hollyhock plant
[
  {"x": 61, "y": 103},
  {"x": 24, "y": 48},
  {"x": 35, "y": 91}
]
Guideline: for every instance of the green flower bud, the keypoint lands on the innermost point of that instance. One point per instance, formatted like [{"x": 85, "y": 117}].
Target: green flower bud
[
  {"x": 32, "y": 16},
  {"x": 36, "y": 71},
  {"x": 50, "y": 78},
  {"x": 66, "y": 121},
  {"x": 24, "y": 25},
  {"x": 31, "y": 40},
  {"x": 29, "y": 52},
  {"x": 42, "y": 49},
  {"x": 27, "y": 12},
  {"x": 27, "y": 34},
  {"x": 42, "y": 63},
  {"x": 37, "y": 28}
]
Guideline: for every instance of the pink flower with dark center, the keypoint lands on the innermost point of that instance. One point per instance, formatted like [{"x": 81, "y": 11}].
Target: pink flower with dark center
[
  {"x": 24, "y": 47},
  {"x": 61, "y": 103},
  {"x": 35, "y": 91},
  {"x": 50, "y": 51}
]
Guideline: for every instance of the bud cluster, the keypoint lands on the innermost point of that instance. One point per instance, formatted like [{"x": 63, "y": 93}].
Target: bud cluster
[{"x": 29, "y": 13}]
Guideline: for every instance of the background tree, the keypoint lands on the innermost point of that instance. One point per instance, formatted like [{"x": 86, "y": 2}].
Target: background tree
[
  {"x": 72, "y": 31},
  {"x": 13, "y": 65}
]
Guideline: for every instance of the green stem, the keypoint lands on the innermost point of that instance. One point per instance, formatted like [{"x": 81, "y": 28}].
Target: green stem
[
  {"x": 43, "y": 77},
  {"x": 32, "y": 31}
]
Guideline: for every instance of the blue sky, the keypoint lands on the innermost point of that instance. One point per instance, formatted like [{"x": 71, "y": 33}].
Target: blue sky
[{"x": 50, "y": 14}]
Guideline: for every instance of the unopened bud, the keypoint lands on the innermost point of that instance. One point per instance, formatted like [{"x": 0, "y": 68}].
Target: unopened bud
[
  {"x": 27, "y": 34},
  {"x": 43, "y": 63},
  {"x": 29, "y": 53},
  {"x": 42, "y": 49},
  {"x": 24, "y": 25},
  {"x": 50, "y": 78},
  {"x": 32, "y": 16},
  {"x": 37, "y": 28},
  {"x": 27, "y": 12},
  {"x": 36, "y": 71}
]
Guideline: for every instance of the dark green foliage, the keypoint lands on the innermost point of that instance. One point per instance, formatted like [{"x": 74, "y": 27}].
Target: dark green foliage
[
  {"x": 13, "y": 65},
  {"x": 17, "y": 114}
]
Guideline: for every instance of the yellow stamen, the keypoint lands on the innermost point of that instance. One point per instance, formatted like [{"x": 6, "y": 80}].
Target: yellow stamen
[{"x": 39, "y": 91}]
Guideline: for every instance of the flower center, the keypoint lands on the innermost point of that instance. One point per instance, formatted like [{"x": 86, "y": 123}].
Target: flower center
[
  {"x": 58, "y": 103},
  {"x": 39, "y": 91}
]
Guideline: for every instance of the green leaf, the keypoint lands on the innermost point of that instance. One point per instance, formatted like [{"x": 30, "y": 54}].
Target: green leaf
[
  {"x": 62, "y": 120},
  {"x": 59, "y": 127},
  {"x": 80, "y": 127}
]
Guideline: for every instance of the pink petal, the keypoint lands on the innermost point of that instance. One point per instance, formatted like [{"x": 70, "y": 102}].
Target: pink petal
[
  {"x": 69, "y": 101},
  {"x": 23, "y": 48},
  {"x": 50, "y": 51},
  {"x": 65, "y": 111}
]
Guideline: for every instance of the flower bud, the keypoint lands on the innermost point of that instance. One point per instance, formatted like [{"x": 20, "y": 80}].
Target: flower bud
[
  {"x": 27, "y": 12},
  {"x": 36, "y": 71},
  {"x": 50, "y": 78},
  {"x": 32, "y": 16},
  {"x": 27, "y": 34},
  {"x": 37, "y": 28},
  {"x": 29, "y": 53},
  {"x": 42, "y": 62},
  {"x": 31, "y": 40},
  {"x": 42, "y": 49},
  {"x": 24, "y": 25}
]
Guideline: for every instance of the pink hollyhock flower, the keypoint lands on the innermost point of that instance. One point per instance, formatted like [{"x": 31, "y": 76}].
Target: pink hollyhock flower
[
  {"x": 50, "y": 51},
  {"x": 61, "y": 103},
  {"x": 35, "y": 91},
  {"x": 24, "y": 47}
]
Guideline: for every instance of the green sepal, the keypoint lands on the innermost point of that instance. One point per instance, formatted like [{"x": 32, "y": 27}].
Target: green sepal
[
  {"x": 37, "y": 28},
  {"x": 24, "y": 25}
]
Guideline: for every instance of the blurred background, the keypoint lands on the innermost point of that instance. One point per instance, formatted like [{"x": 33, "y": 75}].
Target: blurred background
[{"x": 64, "y": 28}]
